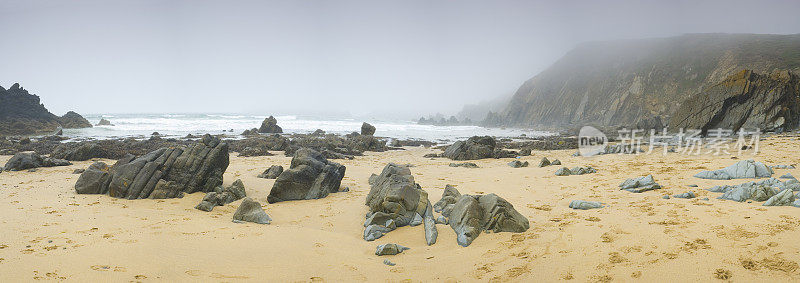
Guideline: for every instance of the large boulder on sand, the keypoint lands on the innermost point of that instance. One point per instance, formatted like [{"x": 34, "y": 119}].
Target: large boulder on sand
[
  {"x": 471, "y": 215},
  {"x": 310, "y": 176},
  {"x": 94, "y": 179},
  {"x": 251, "y": 211},
  {"x": 272, "y": 172},
  {"x": 741, "y": 170},
  {"x": 270, "y": 125},
  {"x": 367, "y": 129},
  {"x": 166, "y": 172},
  {"x": 477, "y": 147},
  {"x": 30, "y": 160},
  {"x": 395, "y": 200}
]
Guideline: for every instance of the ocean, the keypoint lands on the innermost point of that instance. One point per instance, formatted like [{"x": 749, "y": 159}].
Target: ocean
[{"x": 180, "y": 125}]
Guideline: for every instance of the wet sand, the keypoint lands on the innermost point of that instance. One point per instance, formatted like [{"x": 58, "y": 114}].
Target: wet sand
[{"x": 49, "y": 232}]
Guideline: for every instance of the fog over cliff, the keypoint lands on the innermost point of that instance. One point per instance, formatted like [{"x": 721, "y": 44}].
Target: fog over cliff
[{"x": 372, "y": 58}]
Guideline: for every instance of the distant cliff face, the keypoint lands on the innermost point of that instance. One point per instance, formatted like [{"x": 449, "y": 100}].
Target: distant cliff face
[
  {"x": 630, "y": 82},
  {"x": 21, "y": 113}
]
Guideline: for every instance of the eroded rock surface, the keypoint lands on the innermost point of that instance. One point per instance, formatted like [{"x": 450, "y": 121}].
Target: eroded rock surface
[
  {"x": 745, "y": 169},
  {"x": 472, "y": 215},
  {"x": 477, "y": 147},
  {"x": 31, "y": 160},
  {"x": 310, "y": 176}
]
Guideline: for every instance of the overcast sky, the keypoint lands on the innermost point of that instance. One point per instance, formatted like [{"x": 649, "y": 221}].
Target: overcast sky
[{"x": 359, "y": 57}]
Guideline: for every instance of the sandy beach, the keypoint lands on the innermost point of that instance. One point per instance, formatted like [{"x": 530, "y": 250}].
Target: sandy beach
[{"x": 48, "y": 232}]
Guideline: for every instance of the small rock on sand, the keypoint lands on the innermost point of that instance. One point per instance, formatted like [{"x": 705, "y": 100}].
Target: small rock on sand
[{"x": 584, "y": 205}]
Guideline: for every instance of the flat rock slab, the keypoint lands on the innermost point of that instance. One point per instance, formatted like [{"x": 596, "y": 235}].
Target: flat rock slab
[{"x": 584, "y": 205}]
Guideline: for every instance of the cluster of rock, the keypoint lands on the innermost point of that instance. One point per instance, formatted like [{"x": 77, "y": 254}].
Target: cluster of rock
[
  {"x": 272, "y": 172},
  {"x": 395, "y": 200},
  {"x": 469, "y": 215},
  {"x": 773, "y": 192},
  {"x": 22, "y": 113},
  {"x": 518, "y": 164},
  {"x": 464, "y": 164},
  {"x": 477, "y": 147},
  {"x": 222, "y": 196},
  {"x": 163, "y": 173},
  {"x": 310, "y": 176},
  {"x": 640, "y": 184},
  {"x": 546, "y": 162},
  {"x": 580, "y": 170},
  {"x": 745, "y": 169},
  {"x": 31, "y": 160}
]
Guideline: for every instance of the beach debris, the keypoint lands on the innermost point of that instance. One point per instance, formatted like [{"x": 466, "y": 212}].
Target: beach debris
[
  {"x": 471, "y": 215},
  {"x": 477, "y": 147},
  {"x": 742, "y": 169},
  {"x": 310, "y": 176},
  {"x": 640, "y": 184},
  {"x": 82, "y": 152},
  {"x": 464, "y": 164},
  {"x": 270, "y": 126},
  {"x": 272, "y": 172},
  {"x": 222, "y": 196},
  {"x": 251, "y": 211},
  {"x": 28, "y": 160},
  {"x": 390, "y": 249},
  {"x": 367, "y": 129},
  {"x": 197, "y": 168},
  {"x": 395, "y": 200},
  {"x": 686, "y": 195},
  {"x": 544, "y": 162},
  {"x": 518, "y": 164},
  {"x": 584, "y": 205}
]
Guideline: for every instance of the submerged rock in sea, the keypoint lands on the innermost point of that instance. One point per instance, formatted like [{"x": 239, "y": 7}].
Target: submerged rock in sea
[
  {"x": 73, "y": 120},
  {"x": 741, "y": 170},
  {"x": 477, "y": 147},
  {"x": 197, "y": 168},
  {"x": 30, "y": 160},
  {"x": 310, "y": 176},
  {"x": 367, "y": 129},
  {"x": 251, "y": 211},
  {"x": 104, "y": 122},
  {"x": 471, "y": 215},
  {"x": 270, "y": 125},
  {"x": 390, "y": 249},
  {"x": 686, "y": 195},
  {"x": 395, "y": 200},
  {"x": 584, "y": 205},
  {"x": 641, "y": 184},
  {"x": 272, "y": 173}
]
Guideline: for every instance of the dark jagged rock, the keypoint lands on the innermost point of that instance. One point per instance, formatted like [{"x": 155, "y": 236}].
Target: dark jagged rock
[
  {"x": 367, "y": 129},
  {"x": 545, "y": 162},
  {"x": 22, "y": 113},
  {"x": 518, "y": 164},
  {"x": 310, "y": 176},
  {"x": 167, "y": 172},
  {"x": 94, "y": 179},
  {"x": 83, "y": 152},
  {"x": 222, "y": 196},
  {"x": 30, "y": 160},
  {"x": 270, "y": 125},
  {"x": 744, "y": 100},
  {"x": 104, "y": 122},
  {"x": 259, "y": 145},
  {"x": 396, "y": 200},
  {"x": 251, "y": 211},
  {"x": 73, "y": 120},
  {"x": 472, "y": 215},
  {"x": 477, "y": 147},
  {"x": 449, "y": 197},
  {"x": 464, "y": 164},
  {"x": 272, "y": 173}
]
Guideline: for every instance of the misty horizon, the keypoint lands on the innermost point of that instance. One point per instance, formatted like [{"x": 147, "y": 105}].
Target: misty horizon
[{"x": 351, "y": 58}]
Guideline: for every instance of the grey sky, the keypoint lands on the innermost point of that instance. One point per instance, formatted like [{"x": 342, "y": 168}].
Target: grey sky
[{"x": 362, "y": 57}]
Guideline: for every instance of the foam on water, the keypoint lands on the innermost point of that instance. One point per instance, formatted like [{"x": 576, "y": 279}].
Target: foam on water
[{"x": 179, "y": 125}]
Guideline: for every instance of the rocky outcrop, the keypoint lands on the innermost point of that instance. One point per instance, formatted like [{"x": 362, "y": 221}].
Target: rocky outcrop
[
  {"x": 73, "y": 120},
  {"x": 637, "y": 82},
  {"x": 472, "y": 215},
  {"x": 251, "y": 211},
  {"x": 270, "y": 125},
  {"x": 310, "y": 176},
  {"x": 21, "y": 113},
  {"x": 82, "y": 152},
  {"x": 222, "y": 196},
  {"x": 272, "y": 172},
  {"x": 579, "y": 170},
  {"x": 744, "y": 100},
  {"x": 367, "y": 129},
  {"x": 477, "y": 147},
  {"x": 30, "y": 160},
  {"x": 745, "y": 169},
  {"x": 165, "y": 173},
  {"x": 395, "y": 200},
  {"x": 639, "y": 185},
  {"x": 104, "y": 122},
  {"x": 94, "y": 179}
]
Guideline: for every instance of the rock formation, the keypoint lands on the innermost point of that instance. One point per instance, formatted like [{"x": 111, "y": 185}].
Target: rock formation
[
  {"x": 639, "y": 185},
  {"x": 251, "y": 211},
  {"x": 104, "y": 122},
  {"x": 744, "y": 100},
  {"x": 272, "y": 172},
  {"x": 73, "y": 120},
  {"x": 82, "y": 152},
  {"x": 30, "y": 160},
  {"x": 270, "y": 125},
  {"x": 741, "y": 170},
  {"x": 477, "y": 147},
  {"x": 21, "y": 113},
  {"x": 367, "y": 129},
  {"x": 472, "y": 215},
  {"x": 310, "y": 176},
  {"x": 163, "y": 173},
  {"x": 222, "y": 196}
]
